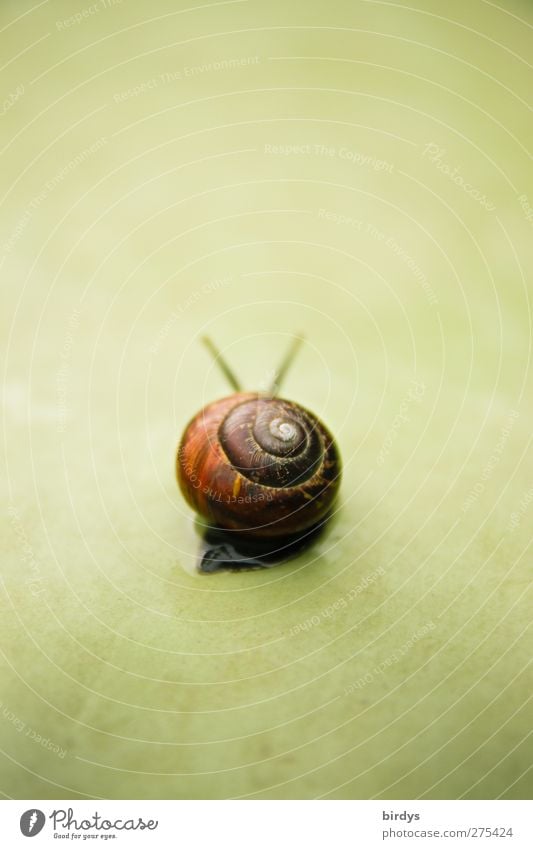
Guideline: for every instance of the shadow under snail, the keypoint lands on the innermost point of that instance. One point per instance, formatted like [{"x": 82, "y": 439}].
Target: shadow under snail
[{"x": 256, "y": 464}]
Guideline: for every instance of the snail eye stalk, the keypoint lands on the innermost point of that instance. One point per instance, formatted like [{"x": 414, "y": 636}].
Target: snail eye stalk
[
  {"x": 222, "y": 364},
  {"x": 279, "y": 374},
  {"x": 285, "y": 365}
]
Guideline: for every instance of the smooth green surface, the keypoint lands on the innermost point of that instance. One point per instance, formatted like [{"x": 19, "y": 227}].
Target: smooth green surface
[{"x": 391, "y": 659}]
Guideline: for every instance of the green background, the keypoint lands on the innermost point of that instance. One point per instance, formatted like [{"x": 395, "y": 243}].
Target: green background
[{"x": 354, "y": 171}]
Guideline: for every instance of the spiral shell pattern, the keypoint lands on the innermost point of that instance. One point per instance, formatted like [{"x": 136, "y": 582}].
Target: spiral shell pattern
[{"x": 262, "y": 466}]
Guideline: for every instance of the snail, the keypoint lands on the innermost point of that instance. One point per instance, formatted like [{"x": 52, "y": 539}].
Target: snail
[{"x": 257, "y": 464}]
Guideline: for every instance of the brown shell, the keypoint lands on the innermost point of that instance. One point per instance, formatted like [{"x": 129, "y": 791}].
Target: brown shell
[{"x": 232, "y": 483}]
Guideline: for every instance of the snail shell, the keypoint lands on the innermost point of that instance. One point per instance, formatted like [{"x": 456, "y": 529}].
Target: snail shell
[{"x": 258, "y": 465}]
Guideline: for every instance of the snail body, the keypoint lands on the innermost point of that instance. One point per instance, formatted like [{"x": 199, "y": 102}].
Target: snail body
[{"x": 258, "y": 465}]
